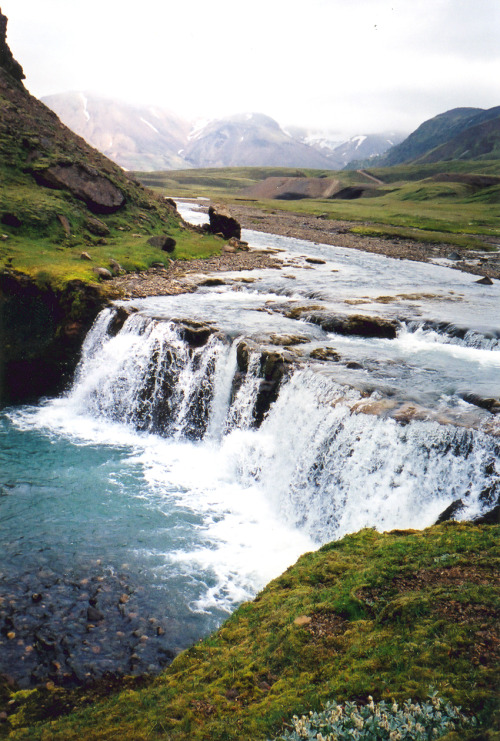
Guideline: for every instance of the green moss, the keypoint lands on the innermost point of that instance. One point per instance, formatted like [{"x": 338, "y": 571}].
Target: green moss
[{"x": 386, "y": 615}]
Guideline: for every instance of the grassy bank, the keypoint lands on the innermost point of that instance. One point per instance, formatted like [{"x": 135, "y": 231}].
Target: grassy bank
[{"x": 387, "y": 615}]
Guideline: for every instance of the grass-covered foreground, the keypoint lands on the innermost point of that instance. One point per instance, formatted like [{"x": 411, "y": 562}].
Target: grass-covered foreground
[{"x": 386, "y": 616}]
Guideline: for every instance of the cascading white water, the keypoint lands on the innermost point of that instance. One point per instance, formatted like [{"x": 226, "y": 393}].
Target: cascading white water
[{"x": 326, "y": 469}]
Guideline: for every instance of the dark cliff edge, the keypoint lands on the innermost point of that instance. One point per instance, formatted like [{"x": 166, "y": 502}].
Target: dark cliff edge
[{"x": 41, "y": 333}]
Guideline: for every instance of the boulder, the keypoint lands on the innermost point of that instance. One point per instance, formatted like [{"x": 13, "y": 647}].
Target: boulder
[
  {"x": 97, "y": 227},
  {"x": 324, "y": 353},
  {"x": 121, "y": 315},
  {"x": 116, "y": 268},
  {"x": 85, "y": 183},
  {"x": 103, "y": 273},
  {"x": 315, "y": 261},
  {"x": 11, "y": 220},
  {"x": 222, "y": 222},
  {"x": 484, "y": 281},
  {"x": 163, "y": 241},
  {"x": 492, "y": 405},
  {"x": 85, "y": 256},
  {"x": 64, "y": 221}
]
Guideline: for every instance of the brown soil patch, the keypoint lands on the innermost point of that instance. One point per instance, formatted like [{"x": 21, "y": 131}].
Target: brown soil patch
[
  {"x": 276, "y": 187},
  {"x": 484, "y": 648},
  {"x": 425, "y": 578},
  {"x": 326, "y": 624}
]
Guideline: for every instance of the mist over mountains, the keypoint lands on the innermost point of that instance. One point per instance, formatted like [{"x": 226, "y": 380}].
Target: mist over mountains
[{"x": 151, "y": 138}]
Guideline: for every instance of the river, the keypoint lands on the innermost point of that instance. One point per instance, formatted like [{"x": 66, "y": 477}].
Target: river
[{"x": 211, "y": 438}]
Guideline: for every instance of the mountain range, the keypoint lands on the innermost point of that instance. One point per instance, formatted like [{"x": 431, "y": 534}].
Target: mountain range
[{"x": 149, "y": 138}]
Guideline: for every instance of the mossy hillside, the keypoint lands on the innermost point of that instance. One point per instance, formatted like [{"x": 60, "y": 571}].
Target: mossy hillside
[
  {"x": 31, "y": 140},
  {"x": 386, "y": 615}
]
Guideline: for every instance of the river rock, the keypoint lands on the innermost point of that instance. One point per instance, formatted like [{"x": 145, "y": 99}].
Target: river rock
[
  {"x": 324, "y": 353},
  {"x": 212, "y": 282},
  {"x": 163, "y": 241},
  {"x": 222, "y": 222},
  {"x": 315, "y": 261},
  {"x": 355, "y": 324},
  {"x": 120, "y": 316},
  {"x": 450, "y": 512},
  {"x": 492, "y": 405},
  {"x": 238, "y": 244},
  {"x": 85, "y": 183},
  {"x": 196, "y": 334}
]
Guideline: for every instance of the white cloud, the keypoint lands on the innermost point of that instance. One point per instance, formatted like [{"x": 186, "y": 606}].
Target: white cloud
[{"x": 352, "y": 66}]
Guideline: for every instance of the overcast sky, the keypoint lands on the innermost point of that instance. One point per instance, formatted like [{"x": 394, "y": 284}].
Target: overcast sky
[{"x": 352, "y": 66}]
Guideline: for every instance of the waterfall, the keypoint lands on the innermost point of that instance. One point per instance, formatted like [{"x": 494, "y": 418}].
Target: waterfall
[{"x": 326, "y": 468}]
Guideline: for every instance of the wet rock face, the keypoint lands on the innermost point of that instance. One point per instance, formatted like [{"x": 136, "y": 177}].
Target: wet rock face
[
  {"x": 85, "y": 183},
  {"x": 356, "y": 324},
  {"x": 221, "y": 222},
  {"x": 7, "y": 61},
  {"x": 39, "y": 341}
]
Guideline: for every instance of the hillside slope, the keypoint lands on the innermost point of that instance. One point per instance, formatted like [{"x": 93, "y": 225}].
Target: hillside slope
[
  {"x": 136, "y": 138},
  {"x": 67, "y": 213},
  {"x": 438, "y": 131}
]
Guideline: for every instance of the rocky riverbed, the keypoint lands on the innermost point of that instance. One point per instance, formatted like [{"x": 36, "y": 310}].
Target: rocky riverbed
[{"x": 329, "y": 231}]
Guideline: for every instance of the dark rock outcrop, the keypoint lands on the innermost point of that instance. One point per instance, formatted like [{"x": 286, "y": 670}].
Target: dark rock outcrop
[
  {"x": 221, "y": 222},
  {"x": 11, "y": 220},
  {"x": 196, "y": 334},
  {"x": 163, "y": 241},
  {"x": 449, "y": 513},
  {"x": 84, "y": 182},
  {"x": 355, "y": 324},
  {"x": 41, "y": 332},
  {"x": 7, "y": 61}
]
